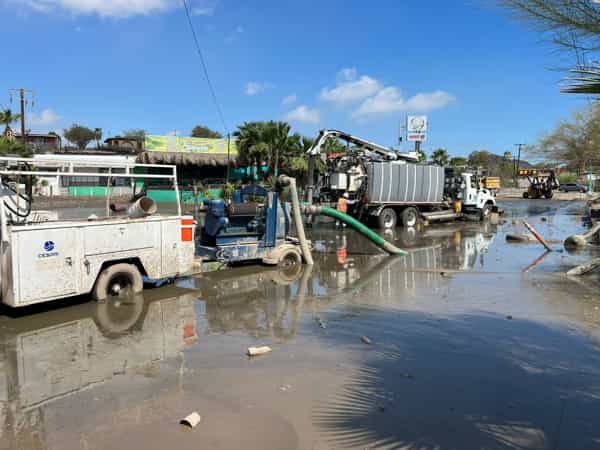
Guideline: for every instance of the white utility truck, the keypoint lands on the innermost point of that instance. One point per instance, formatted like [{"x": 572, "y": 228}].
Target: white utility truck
[{"x": 44, "y": 258}]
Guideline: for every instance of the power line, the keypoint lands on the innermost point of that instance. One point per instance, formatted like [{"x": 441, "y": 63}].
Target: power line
[{"x": 210, "y": 85}]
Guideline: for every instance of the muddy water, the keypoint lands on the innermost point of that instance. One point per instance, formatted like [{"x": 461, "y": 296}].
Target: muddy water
[{"x": 487, "y": 357}]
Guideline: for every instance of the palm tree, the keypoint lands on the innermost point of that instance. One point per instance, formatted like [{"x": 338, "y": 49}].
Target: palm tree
[
  {"x": 440, "y": 156},
  {"x": 268, "y": 142},
  {"x": 6, "y": 118},
  {"x": 98, "y": 136}
]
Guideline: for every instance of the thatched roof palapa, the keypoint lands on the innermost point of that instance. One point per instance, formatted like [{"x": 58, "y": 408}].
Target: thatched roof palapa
[{"x": 187, "y": 159}]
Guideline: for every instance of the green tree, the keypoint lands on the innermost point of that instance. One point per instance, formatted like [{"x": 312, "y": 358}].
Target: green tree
[
  {"x": 573, "y": 142},
  {"x": 79, "y": 135},
  {"x": 459, "y": 161},
  {"x": 507, "y": 156},
  {"x": 267, "y": 142},
  {"x": 422, "y": 155},
  {"x": 440, "y": 156},
  {"x": 6, "y": 118},
  {"x": 13, "y": 148},
  {"x": 200, "y": 131},
  {"x": 573, "y": 25},
  {"x": 480, "y": 158}
]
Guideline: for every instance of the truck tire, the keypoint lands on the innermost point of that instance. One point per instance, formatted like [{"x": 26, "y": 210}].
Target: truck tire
[
  {"x": 387, "y": 219},
  {"x": 410, "y": 217},
  {"x": 485, "y": 212},
  {"x": 549, "y": 194},
  {"x": 290, "y": 258},
  {"x": 116, "y": 279},
  {"x": 525, "y": 194}
]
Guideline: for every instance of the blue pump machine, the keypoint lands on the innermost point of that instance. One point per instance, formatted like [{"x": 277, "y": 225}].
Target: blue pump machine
[{"x": 245, "y": 229}]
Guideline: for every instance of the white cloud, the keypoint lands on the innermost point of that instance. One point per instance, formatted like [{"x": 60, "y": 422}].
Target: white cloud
[
  {"x": 349, "y": 88},
  {"x": 44, "y": 119},
  {"x": 117, "y": 8},
  {"x": 304, "y": 114},
  {"x": 289, "y": 100},
  {"x": 390, "y": 100},
  {"x": 374, "y": 98},
  {"x": 256, "y": 87}
]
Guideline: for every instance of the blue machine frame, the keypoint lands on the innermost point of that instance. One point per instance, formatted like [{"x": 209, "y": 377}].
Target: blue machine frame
[{"x": 244, "y": 230}]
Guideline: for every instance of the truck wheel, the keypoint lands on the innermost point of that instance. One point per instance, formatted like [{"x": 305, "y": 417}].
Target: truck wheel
[
  {"x": 387, "y": 219},
  {"x": 289, "y": 267},
  {"x": 410, "y": 217},
  {"x": 117, "y": 279},
  {"x": 290, "y": 258},
  {"x": 485, "y": 212},
  {"x": 525, "y": 194},
  {"x": 549, "y": 194}
]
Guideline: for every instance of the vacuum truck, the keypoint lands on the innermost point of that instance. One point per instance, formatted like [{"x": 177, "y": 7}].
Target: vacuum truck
[{"x": 385, "y": 187}]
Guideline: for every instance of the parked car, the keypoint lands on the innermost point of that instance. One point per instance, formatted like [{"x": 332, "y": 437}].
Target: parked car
[{"x": 572, "y": 187}]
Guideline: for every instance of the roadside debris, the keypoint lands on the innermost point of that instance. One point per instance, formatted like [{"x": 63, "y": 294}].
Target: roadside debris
[
  {"x": 255, "y": 351},
  {"x": 518, "y": 238},
  {"x": 191, "y": 420},
  {"x": 321, "y": 322},
  {"x": 584, "y": 268},
  {"x": 580, "y": 240},
  {"x": 366, "y": 340},
  {"x": 538, "y": 236}
]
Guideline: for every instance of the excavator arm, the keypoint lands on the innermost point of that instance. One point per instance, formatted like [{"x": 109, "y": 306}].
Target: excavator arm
[{"x": 370, "y": 148}]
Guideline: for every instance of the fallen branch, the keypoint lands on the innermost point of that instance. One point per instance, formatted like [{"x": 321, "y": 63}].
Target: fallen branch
[{"x": 584, "y": 268}]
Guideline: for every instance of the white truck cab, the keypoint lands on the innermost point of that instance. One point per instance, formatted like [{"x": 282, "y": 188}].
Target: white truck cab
[
  {"x": 47, "y": 260},
  {"x": 476, "y": 198}
]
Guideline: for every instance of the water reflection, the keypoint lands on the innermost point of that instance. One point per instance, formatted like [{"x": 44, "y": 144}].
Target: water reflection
[{"x": 49, "y": 356}]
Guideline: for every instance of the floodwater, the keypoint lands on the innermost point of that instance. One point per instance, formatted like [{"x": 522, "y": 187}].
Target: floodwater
[{"x": 473, "y": 344}]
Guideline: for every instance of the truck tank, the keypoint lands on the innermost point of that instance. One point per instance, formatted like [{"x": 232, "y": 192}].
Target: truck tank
[{"x": 403, "y": 182}]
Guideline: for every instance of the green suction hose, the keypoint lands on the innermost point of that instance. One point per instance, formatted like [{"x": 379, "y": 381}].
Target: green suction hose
[{"x": 364, "y": 230}]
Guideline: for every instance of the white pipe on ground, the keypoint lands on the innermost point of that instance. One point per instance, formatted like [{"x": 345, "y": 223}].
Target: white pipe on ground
[{"x": 306, "y": 254}]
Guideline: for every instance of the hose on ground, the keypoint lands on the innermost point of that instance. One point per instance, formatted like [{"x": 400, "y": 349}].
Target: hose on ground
[{"x": 358, "y": 226}]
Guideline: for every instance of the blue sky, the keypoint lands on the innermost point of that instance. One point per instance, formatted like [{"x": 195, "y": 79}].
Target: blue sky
[{"x": 483, "y": 79}]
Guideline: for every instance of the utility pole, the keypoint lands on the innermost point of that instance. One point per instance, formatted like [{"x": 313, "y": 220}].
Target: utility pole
[
  {"x": 228, "y": 154},
  {"x": 518, "y": 162},
  {"x": 22, "y": 92}
]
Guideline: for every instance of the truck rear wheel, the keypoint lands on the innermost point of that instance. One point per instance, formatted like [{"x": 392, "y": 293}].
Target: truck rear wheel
[
  {"x": 410, "y": 217},
  {"x": 387, "y": 219},
  {"x": 116, "y": 280},
  {"x": 549, "y": 194},
  {"x": 485, "y": 212}
]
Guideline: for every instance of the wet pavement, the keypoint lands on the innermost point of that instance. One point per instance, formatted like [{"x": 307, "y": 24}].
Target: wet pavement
[{"x": 471, "y": 346}]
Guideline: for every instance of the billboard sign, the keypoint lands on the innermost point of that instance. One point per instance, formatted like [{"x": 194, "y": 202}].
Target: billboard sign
[
  {"x": 416, "y": 128},
  {"x": 179, "y": 144}
]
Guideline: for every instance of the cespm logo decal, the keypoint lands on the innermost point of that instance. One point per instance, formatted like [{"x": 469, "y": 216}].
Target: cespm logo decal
[{"x": 48, "y": 250}]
